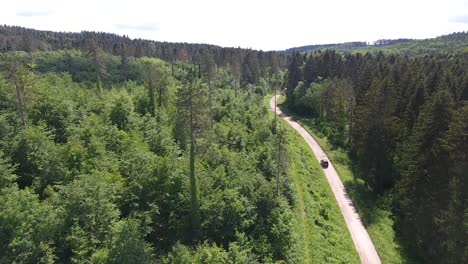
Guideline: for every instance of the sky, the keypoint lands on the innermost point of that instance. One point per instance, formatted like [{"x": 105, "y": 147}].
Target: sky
[{"x": 266, "y": 25}]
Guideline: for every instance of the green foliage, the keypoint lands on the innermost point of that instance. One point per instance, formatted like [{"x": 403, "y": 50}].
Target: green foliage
[
  {"x": 40, "y": 159},
  {"x": 7, "y": 176},
  {"x": 420, "y": 47},
  {"x": 374, "y": 211},
  {"x": 88, "y": 210},
  {"x": 157, "y": 81},
  {"x": 391, "y": 114},
  {"x": 447, "y": 44},
  {"x": 106, "y": 175},
  {"x": 28, "y": 227},
  {"x": 332, "y": 102},
  {"x": 318, "y": 219},
  {"x": 207, "y": 254},
  {"x": 7, "y": 97},
  {"x": 293, "y": 78},
  {"x": 120, "y": 112},
  {"x": 281, "y": 236},
  {"x": 127, "y": 244},
  {"x": 429, "y": 144}
]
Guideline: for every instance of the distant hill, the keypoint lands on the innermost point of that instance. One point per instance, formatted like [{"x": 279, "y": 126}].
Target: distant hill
[
  {"x": 347, "y": 46},
  {"x": 450, "y": 43}
]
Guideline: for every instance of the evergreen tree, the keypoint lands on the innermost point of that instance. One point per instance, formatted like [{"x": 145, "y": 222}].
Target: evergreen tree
[
  {"x": 209, "y": 73},
  {"x": 97, "y": 57},
  {"x": 250, "y": 69},
  {"x": 425, "y": 172},
  {"x": 451, "y": 221},
  {"x": 192, "y": 109},
  {"x": 150, "y": 76},
  {"x": 293, "y": 78},
  {"x": 124, "y": 67},
  {"x": 310, "y": 70}
]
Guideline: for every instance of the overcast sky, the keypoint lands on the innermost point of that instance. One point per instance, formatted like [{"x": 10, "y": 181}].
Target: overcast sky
[{"x": 267, "y": 25}]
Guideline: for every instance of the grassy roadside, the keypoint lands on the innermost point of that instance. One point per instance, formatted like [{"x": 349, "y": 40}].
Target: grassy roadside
[
  {"x": 372, "y": 209},
  {"x": 322, "y": 233}
]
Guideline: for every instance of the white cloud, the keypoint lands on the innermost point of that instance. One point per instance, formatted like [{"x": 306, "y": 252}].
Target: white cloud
[{"x": 247, "y": 23}]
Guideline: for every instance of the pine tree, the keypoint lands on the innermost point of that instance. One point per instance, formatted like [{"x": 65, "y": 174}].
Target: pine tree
[
  {"x": 452, "y": 220},
  {"x": 209, "y": 73},
  {"x": 425, "y": 168},
  {"x": 150, "y": 84},
  {"x": 236, "y": 73},
  {"x": 294, "y": 77},
  {"x": 22, "y": 77},
  {"x": 97, "y": 58},
  {"x": 250, "y": 69},
  {"x": 192, "y": 108},
  {"x": 157, "y": 80},
  {"x": 124, "y": 67},
  {"x": 310, "y": 70}
]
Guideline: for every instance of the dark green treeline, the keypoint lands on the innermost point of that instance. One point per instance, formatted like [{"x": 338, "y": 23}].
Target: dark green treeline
[{"x": 404, "y": 121}]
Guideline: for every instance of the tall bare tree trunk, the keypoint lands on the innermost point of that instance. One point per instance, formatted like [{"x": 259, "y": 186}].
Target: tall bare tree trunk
[
  {"x": 211, "y": 102},
  {"x": 279, "y": 164},
  {"x": 275, "y": 128},
  {"x": 235, "y": 87},
  {"x": 195, "y": 206},
  {"x": 152, "y": 99},
  {"x": 20, "y": 103}
]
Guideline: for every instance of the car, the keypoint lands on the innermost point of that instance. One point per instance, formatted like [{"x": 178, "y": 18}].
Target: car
[{"x": 324, "y": 163}]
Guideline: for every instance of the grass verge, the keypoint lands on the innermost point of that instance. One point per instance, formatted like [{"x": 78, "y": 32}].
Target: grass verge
[
  {"x": 319, "y": 226},
  {"x": 373, "y": 210}
]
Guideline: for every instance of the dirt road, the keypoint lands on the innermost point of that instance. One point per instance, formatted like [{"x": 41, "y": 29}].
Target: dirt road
[{"x": 359, "y": 234}]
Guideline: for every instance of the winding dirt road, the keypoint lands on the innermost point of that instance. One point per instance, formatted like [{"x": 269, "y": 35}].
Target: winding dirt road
[{"x": 359, "y": 234}]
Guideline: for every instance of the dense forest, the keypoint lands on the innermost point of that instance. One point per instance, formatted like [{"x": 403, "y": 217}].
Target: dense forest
[
  {"x": 403, "y": 121},
  {"x": 119, "y": 150},
  {"x": 13, "y": 38},
  {"x": 107, "y": 158}
]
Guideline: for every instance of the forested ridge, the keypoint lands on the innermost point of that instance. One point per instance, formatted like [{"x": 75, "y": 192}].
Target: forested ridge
[
  {"x": 403, "y": 121},
  {"x": 451, "y": 43},
  {"x": 14, "y": 38}
]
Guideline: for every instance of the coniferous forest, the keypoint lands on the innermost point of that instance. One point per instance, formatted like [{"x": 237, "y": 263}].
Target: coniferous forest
[
  {"x": 119, "y": 150},
  {"x": 403, "y": 121}
]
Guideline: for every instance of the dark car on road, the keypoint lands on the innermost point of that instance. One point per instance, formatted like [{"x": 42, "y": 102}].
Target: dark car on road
[{"x": 324, "y": 163}]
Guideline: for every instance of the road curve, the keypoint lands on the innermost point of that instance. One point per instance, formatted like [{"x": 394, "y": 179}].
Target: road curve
[{"x": 359, "y": 234}]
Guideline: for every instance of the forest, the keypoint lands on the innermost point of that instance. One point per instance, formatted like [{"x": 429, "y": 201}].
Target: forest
[
  {"x": 403, "y": 122},
  {"x": 14, "y": 38},
  {"x": 119, "y": 150},
  {"x": 160, "y": 167}
]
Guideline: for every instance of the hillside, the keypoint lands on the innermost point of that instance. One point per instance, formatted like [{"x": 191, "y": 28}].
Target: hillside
[
  {"x": 451, "y": 43},
  {"x": 342, "y": 47}
]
